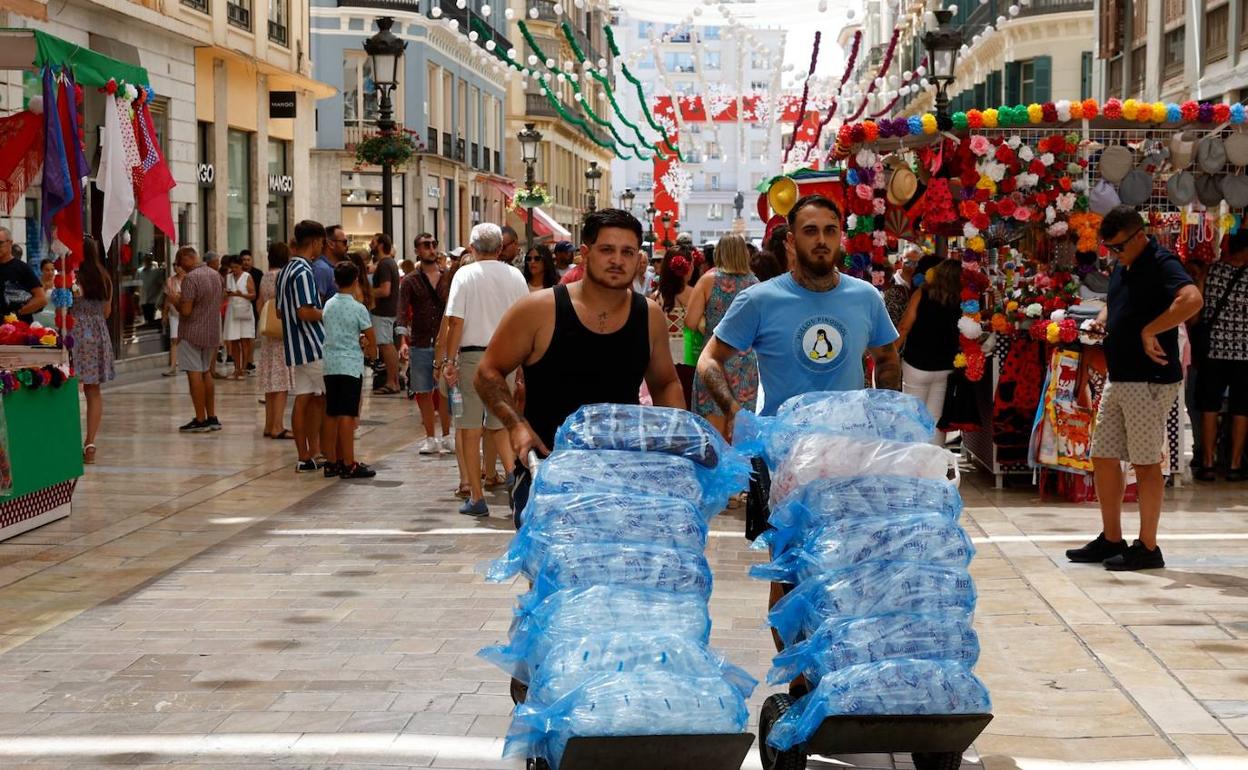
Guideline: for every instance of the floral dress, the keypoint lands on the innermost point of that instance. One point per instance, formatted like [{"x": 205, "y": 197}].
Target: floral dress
[
  {"x": 741, "y": 370},
  {"x": 92, "y": 353},
  {"x": 275, "y": 376}
]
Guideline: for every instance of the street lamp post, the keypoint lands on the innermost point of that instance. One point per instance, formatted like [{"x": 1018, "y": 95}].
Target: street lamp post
[
  {"x": 593, "y": 180},
  {"x": 667, "y": 230},
  {"x": 385, "y": 50},
  {"x": 529, "y": 139},
  {"x": 626, "y": 199},
  {"x": 651, "y": 237},
  {"x": 942, "y": 45}
]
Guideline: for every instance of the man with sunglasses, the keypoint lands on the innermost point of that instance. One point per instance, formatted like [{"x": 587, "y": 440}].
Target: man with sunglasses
[
  {"x": 422, "y": 301},
  {"x": 1150, "y": 295},
  {"x": 336, "y": 244}
]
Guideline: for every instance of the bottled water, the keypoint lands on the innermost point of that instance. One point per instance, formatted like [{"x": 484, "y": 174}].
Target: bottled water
[
  {"x": 639, "y": 703},
  {"x": 598, "y": 517},
  {"x": 577, "y": 471},
  {"x": 927, "y": 537},
  {"x": 815, "y": 457},
  {"x": 872, "y": 588},
  {"x": 900, "y": 686},
  {"x": 840, "y": 643},
  {"x": 628, "y": 565},
  {"x": 837, "y": 498},
  {"x": 457, "y": 401}
]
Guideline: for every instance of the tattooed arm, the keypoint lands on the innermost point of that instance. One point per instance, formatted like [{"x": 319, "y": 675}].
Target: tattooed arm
[
  {"x": 711, "y": 370},
  {"x": 511, "y": 346},
  {"x": 887, "y": 367}
]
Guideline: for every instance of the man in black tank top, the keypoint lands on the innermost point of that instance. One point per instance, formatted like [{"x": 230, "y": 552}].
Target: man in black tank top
[{"x": 590, "y": 342}]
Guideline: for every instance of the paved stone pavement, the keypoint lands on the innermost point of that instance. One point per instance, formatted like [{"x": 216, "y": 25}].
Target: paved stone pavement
[{"x": 206, "y": 607}]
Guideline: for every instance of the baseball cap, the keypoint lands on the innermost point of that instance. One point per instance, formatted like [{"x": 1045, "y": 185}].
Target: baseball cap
[
  {"x": 562, "y": 246},
  {"x": 458, "y": 252}
]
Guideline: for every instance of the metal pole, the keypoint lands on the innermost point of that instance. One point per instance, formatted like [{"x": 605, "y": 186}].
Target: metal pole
[
  {"x": 385, "y": 123},
  {"x": 528, "y": 219}
]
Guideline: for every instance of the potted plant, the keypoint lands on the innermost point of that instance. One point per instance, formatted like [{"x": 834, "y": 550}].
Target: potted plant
[
  {"x": 531, "y": 198},
  {"x": 396, "y": 148}
]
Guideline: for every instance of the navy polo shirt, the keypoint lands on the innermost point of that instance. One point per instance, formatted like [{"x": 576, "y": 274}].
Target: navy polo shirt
[{"x": 1137, "y": 296}]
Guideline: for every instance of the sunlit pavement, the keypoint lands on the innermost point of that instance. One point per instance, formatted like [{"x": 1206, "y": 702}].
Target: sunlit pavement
[{"x": 205, "y": 606}]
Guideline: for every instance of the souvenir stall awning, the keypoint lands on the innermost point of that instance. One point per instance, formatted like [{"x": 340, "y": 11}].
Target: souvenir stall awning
[{"x": 31, "y": 49}]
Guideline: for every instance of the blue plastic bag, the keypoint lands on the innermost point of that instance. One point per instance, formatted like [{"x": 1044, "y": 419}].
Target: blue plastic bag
[
  {"x": 929, "y": 538},
  {"x": 864, "y": 414},
  {"x": 651, "y": 429},
  {"x": 831, "y": 499},
  {"x": 576, "y": 613},
  {"x": 643, "y": 703},
  {"x": 816, "y": 457},
  {"x": 841, "y": 643},
  {"x": 898, "y": 686},
  {"x": 872, "y": 588},
  {"x": 625, "y": 565},
  {"x": 578, "y": 471},
  {"x": 598, "y": 517},
  {"x": 572, "y": 662}
]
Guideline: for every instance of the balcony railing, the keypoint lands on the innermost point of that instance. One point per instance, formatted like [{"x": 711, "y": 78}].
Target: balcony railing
[
  {"x": 199, "y": 5},
  {"x": 538, "y": 106},
  {"x": 412, "y": 6},
  {"x": 278, "y": 32},
  {"x": 459, "y": 150},
  {"x": 498, "y": 162},
  {"x": 238, "y": 15},
  {"x": 431, "y": 139},
  {"x": 475, "y": 156},
  {"x": 545, "y": 11},
  {"x": 986, "y": 13},
  {"x": 354, "y": 132},
  {"x": 448, "y": 145}
]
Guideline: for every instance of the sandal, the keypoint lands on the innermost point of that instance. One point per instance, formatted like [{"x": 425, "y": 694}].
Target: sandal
[
  {"x": 490, "y": 482},
  {"x": 88, "y": 454},
  {"x": 386, "y": 391},
  {"x": 283, "y": 434},
  {"x": 463, "y": 492}
]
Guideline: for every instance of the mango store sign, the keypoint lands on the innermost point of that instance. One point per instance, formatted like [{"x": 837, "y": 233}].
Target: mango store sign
[{"x": 281, "y": 184}]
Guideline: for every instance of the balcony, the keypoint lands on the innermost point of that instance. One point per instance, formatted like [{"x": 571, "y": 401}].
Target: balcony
[
  {"x": 199, "y": 5},
  {"x": 278, "y": 33},
  {"x": 538, "y": 106},
  {"x": 412, "y": 6},
  {"x": 448, "y": 147},
  {"x": 987, "y": 13},
  {"x": 545, "y": 11},
  {"x": 460, "y": 153},
  {"x": 475, "y": 156},
  {"x": 355, "y": 132},
  {"x": 238, "y": 15}
]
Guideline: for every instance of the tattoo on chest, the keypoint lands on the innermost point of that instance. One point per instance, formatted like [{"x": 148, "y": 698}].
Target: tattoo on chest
[{"x": 602, "y": 322}]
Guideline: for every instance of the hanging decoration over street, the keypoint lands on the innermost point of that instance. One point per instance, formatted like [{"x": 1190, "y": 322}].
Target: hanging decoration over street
[
  {"x": 641, "y": 94},
  {"x": 801, "y": 110},
  {"x": 831, "y": 110}
]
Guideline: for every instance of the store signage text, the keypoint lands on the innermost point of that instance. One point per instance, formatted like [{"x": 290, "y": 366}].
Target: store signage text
[
  {"x": 281, "y": 104},
  {"x": 207, "y": 175},
  {"x": 282, "y": 185}
]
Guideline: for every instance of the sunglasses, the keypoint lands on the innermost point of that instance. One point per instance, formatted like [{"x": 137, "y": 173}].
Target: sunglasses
[
  {"x": 534, "y": 257},
  {"x": 427, "y": 244},
  {"x": 1118, "y": 247}
]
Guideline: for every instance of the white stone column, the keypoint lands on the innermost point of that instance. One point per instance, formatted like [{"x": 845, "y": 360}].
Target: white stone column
[
  {"x": 260, "y": 169},
  {"x": 220, "y": 156},
  {"x": 300, "y": 160}
]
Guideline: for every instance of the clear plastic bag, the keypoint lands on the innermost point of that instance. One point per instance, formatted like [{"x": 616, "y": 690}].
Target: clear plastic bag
[
  {"x": 598, "y": 517},
  {"x": 872, "y": 588},
  {"x": 898, "y": 686},
  {"x": 578, "y": 612},
  {"x": 815, "y": 457},
  {"x": 571, "y": 663},
  {"x": 862, "y": 414},
  {"x": 577, "y": 471},
  {"x": 644, "y": 703},
  {"x": 651, "y": 429},
  {"x": 625, "y": 565},
  {"x": 841, "y": 643},
  {"x": 929, "y": 538}
]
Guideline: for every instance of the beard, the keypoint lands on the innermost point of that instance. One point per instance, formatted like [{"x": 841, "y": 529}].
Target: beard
[
  {"x": 816, "y": 266},
  {"x": 427, "y": 259},
  {"x": 608, "y": 280}
]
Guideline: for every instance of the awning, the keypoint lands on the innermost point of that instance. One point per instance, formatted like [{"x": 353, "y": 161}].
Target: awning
[
  {"x": 30, "y": 49},
  {"x": 505, "y": 186},
  {"x": 544, "y": 224}
]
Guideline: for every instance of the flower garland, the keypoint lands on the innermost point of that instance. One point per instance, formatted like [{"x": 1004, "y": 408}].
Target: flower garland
[
  {"x": 641, "y": 94},
  {"x": 801, "y": 109},
  {"x": 33, "y": 377}
]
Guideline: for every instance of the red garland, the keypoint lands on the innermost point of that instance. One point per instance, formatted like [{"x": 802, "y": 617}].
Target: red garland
[
  {"x": 801, "y": 110},
  {"x": 849, "y": 67},
  {"x": 883, "y": 73}
]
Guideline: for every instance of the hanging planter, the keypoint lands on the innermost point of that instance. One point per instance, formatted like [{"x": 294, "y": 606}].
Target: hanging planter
[
  {"x": 395, "y": 148},
  {"x": 531, "y": 198}
]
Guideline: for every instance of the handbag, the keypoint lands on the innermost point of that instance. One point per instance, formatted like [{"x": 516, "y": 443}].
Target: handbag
[
  {"x": 270, "y": 322},
  {"x": 961, "y": 408},
  {"x": 1198, "y": 334}
]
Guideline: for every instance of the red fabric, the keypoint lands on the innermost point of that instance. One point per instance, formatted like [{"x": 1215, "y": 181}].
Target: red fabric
[
  {"x": 68, "y": 220},
  {"x": 21, "y": 156},
  {"x": 152, "y": 180}
]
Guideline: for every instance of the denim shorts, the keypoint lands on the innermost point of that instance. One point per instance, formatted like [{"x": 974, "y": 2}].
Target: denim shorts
[{"x": 420, "y": 370}]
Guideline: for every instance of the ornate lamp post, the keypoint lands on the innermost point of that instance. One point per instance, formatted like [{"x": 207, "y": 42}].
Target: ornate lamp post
[
  {"x": 626, "y": 199},
  {"x": 667, "y": 230},
  {"x": 942, "y": 45},
  {"x": 385, "y": 50},
  {"x": 529, "y": 139},
  {"x": 651, "y": 237},
  {"x": 593, "y": 181}
]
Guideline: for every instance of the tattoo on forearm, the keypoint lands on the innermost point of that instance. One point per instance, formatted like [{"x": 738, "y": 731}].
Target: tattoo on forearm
[
  {"x": 716, "y": 382},
  {"x": 496, "y": 394},
  {"x": 888, "y": 373}
]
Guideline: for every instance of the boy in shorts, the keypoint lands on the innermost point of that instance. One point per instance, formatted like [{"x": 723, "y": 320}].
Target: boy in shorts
[{"x": 345, "y": 320}]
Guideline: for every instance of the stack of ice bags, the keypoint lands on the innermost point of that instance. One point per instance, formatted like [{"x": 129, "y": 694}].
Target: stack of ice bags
[
  {"x": 611, "y": 639},
  {"x": 865, "y": 527}
]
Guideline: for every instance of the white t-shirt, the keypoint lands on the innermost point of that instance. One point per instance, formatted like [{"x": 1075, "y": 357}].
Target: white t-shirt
[{"x": 480, "y": 293}]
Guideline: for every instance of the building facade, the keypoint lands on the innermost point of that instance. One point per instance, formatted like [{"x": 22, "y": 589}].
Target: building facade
[
  {"x": 450, "y": 94},
  {"x": 722, "y": 157},
  {"x": 215, "y": 67},
  {"x": 1171, "y": 51}
]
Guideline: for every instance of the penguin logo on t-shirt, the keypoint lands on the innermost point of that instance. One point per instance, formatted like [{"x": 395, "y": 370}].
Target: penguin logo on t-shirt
[
  {"x": 823, "y": 346},
  {"x": 820, "y": 342}
]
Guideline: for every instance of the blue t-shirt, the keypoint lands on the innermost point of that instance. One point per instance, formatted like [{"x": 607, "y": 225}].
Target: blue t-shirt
[
  {"x": 345, "y": 319},
  {"x": 806, "y": 340},
  {"x": 323, "y": 272}
]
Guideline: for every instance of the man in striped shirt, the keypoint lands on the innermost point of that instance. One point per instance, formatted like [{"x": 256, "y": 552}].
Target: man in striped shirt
[{"x": 303, "y": 336}]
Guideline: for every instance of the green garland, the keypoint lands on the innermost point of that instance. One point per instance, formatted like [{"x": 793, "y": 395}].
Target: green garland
[
  {"x": 606, "y": 87},
  {"x": 641, "y": 94}
]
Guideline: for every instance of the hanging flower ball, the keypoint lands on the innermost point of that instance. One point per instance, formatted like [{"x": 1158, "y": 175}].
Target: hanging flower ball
[
  {"x": 110, "y": 87},
  {"x": 1204, "y": 113},
  {"x": 1076, "y": 110},
  {"x": 1237, "y": 113},
  {"x": 989, "y": 117},
  {"x": 1130, "y": 109},
  {"x": 959, "y": 361},
  {"x": 969, "y": 328},
  {"x": 1112, "y": 109},
  {"x": 1090, "y": 109},
  {"x": 1189, "y": 110},
  {"x": 915, "y": 125},
  {"x": 929, "y": 123},
  {"x": 1173, "y": 113},
  {"x": 960, "y": 121},
  {"x": 1000, "y": 324},
  {"x": 1221, "y": 112}
]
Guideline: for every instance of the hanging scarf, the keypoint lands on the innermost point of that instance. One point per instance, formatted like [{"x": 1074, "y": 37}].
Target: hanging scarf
[{"x": 21, "y": 155}]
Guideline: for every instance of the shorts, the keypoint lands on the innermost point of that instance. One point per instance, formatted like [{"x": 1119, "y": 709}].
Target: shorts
[
  {"x": 193, "y": 358},
  {"x": 309, "y": 378},
  {"x": 342, "y": 395},
  {"x": 383, "y": 329},
  {"x": 1214, "y": 377},
  {"x": 1131, "y": 421},
  {"x": 475, "y": 414},
  {"x": 173, "y": 326},
  {"x": 420, "y": 370}
]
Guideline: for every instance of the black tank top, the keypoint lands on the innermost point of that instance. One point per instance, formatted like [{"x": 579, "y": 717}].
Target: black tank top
[
  {"x": 582, "y": 367},
  {"x": 933, "y": 340}
]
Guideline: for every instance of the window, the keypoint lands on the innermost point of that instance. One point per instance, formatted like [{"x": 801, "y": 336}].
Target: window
[
  {"x": 238, "y": 192},
  {"x": 279, "y": 11},
  {"x": 238, "y": 13},
  {"x": 757, "y": 149},
  {"x": 1085, "y": 75},
  {"x": 715, "y": 212},
  {"x": 684, "y": 88},
  {"x": 645, "y": 30},
  {"x": 712, "y": 151},
  {"x": 712, "y": 60},
  {"x": 712, "y": 181},
  {"x": 199, "y": 5},
  {"x": 679, "y": 62},
  {"x": 645, "y": 63},
  {"x": 1139, "y": 66},
  {"x": 710, "y": 33},
  {"x": 759, "y": 61},
  {"x": 759, "y": 86},
  {"x": 1172, "y": 52},
  {"x": 277, "y": 212},
  {"x": 359, "y": 94},
  {"x": 1027, "y": 82},
  {"x": 1217, "y": 21},
  {"x": 645, "y": 180},
  {"x": 361, "y": 207},
  {"x": 1243, "y": 23}
]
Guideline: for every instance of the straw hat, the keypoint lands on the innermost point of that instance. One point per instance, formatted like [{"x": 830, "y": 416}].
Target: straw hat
[{"x": 902, "y": 186}]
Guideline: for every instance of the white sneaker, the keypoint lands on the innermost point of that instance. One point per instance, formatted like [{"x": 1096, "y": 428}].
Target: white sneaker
[
  {"x": 429, "y": 447},
  {"x": 448, "y": 444}
]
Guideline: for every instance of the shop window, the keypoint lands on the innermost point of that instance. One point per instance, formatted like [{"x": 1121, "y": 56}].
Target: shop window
[
  {"x": 1172, "y": 54},
  {"x": 280, "y": 187},
  {"x": 1217, "y": 21},
  {"x": 361, "y": 208},
  {"x": 238, "y": 13},
  {"x": 279, "y": 12},
  {"x": 238, "y": 191}
]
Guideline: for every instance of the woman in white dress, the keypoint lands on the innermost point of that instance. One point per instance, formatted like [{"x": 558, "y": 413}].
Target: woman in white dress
[{"x": 240, "y": 319}]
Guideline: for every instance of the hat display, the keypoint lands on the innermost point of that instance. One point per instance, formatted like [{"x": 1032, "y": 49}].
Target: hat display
[
  {"x": 1181, "y": 188},
  {"x": 1235, "y": 190},
  {"x": 1209, "y": 189},
  {"x": 902, "y": 186},
  {"x": 1237, "y": 149},
  {"x": 1211, "y": 154},
  {"x": 1182, "y": 150},
  {"x": 1136, "y": 187},
  {"x": 1103, "y": 198},
  {"x": 1115, "y": 162},
  {"x": 782, "y": 195}
]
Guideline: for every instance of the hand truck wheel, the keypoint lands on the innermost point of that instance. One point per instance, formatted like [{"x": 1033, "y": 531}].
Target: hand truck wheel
[{"x": 793, "y": 759}]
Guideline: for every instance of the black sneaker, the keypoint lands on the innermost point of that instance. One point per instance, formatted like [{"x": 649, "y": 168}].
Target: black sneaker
[
  {"x": 1097, "y": 551},
  {"x": 358, "y": 471},
  {"x": 1136, "y": 557},
  {"x": 305, "y": 466},
  {"x": 213, "y": 423},
  {"x": 195, "y": 426},
  {"x": 333, "y": 470}
]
